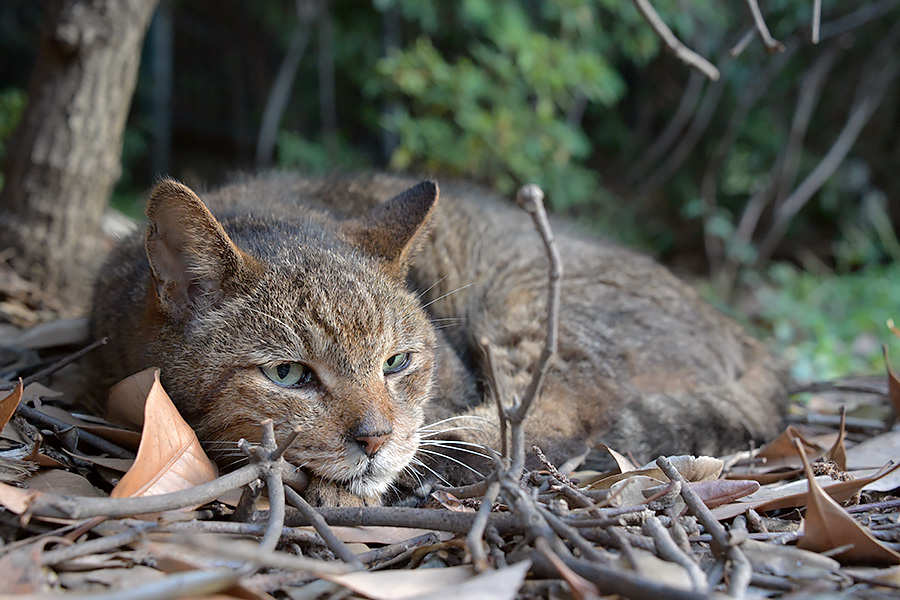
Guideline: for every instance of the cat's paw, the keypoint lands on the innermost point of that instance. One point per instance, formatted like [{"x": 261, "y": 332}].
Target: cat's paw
[{"x": 323, "y": 492}]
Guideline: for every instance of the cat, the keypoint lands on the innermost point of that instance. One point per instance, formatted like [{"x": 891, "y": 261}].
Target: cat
[{"x": 354, "y": 309}]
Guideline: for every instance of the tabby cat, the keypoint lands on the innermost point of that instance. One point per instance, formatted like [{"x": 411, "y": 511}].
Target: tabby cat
[{"x": 353, "y": 308}]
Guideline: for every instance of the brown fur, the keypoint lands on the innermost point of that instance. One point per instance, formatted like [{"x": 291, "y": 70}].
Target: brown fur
[{"x": 313, "y": 271}]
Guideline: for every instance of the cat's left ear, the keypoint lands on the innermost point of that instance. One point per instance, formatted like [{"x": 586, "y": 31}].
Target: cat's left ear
[{"x": 393, "y": 230}]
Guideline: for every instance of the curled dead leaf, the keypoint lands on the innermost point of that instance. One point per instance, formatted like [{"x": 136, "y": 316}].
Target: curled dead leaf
[
  {"x": 9, "y": 404},
  {"x": 829, "y": 526},
  {"x": 169, "y": 457}
]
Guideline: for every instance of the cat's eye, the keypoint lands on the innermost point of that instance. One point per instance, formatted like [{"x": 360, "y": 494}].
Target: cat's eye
[
  {"x": 396, "y": 363},
  {"x": 288, "y": 374}
]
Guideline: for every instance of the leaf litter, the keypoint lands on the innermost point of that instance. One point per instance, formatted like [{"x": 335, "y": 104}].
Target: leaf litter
[{"x": 815, "y": 511}]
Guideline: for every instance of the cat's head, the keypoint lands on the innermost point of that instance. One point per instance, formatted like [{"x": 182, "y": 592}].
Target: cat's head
[{"x": 306, "y": 322}]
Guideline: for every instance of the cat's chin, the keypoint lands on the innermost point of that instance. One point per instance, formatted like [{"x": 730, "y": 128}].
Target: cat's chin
[{"x": 353, "y": 492}]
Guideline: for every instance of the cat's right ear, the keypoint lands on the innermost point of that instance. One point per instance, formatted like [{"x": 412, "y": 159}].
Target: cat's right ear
[
  {"x": 193, "y": 261},
  {"x": 393, "y": 230}
]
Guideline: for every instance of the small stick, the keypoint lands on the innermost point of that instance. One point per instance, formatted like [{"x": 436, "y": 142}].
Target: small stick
[
  {"x": 772, "y": 45},
  {"x": 476, "y": 533},
  {"x": 685, "y": 54},
  {"x": 667, "y": 549},
  {"x": 47, "y": 371},
  {"x": 816, "y": 20},
  {"x": 34, "y": 415},
  {"x": 697, "y": 507},
  {"x": 322, "y": 528},
  {"x": 276, "y": 491},
  {"x": 531, "y": 199}
]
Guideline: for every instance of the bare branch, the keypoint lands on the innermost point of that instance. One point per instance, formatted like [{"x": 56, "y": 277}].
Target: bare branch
[
  {"x": 685, "y": 54},
  {"x": 816, "y": 20},
  {"x": 321, "y": 526},
  {"x": 872, "y": 88},
  {"x": 772, "y": 45}
]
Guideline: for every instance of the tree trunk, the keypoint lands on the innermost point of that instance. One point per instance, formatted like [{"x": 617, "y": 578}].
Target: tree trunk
[{"x": 64, "y": 158}]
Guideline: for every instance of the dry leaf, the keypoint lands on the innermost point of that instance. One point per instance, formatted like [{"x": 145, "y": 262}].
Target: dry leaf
[
  {"x": 17, "y": 499},
  {"x": 623, "y": 463},
  {"x": 125, "y": 405},
  {"x": 788, "y": 561},
  {"x": 828, "y": 526},
  {"x": 660, "y": 571},
  {"x": 722, "y": 491},
  {"x": 692, "y": 468},
  {"x": 780, "y": 453},
  {"x": 57, "y": 481},
  {"x": 450, "y": 583},
  {"x": 9, "y": 404},
  {"x": 877, "y": 451},
  {"x": 695, "y": 468},
  {"x": 838, "y": 452},
  {"x": 169, "y": 458},
  {"x": 795, "y": 494},
  {"x": 630, "y": 492}
]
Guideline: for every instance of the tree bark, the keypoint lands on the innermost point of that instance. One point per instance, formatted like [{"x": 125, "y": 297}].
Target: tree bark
[{"x": 63, "y": 159}]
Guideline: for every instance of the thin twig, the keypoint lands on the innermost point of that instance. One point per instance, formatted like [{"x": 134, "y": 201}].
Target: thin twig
[
  {"x": 669, "y": 550},
  {"x": 772, "y": 45},
  {"x": 319, "y": 523},
  {"x": 685, "y": 54},
  {"x": 816, "y": 20},
  {"x": 33, "y": 415},
  {"x": 697, "y": 507},
  {"x": 476, "y": 534},
  {"x": 47, "y": 371}
]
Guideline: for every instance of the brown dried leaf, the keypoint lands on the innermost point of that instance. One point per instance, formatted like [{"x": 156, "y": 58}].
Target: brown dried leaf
[
  {"x": 17, "y": 499},
  {"x": 9, "y": 404},
  {"x": 57, "y": 481},
  {"x": 623, "y": 463},
  {"x": 780, "y": 453},
  {"x": 788, "y": 561},
  {"x": 829, "y": 526},
  {"x": 127, "y": 398},
  {"x": 838, "y": 452},
  {"x": 786, "y": 495},
  {"x": 692, "y": 468},
  {"x": 170, "y": 457},
  {"x": 449, "y": 583},
  {"x": 722, "y": 491},
  {"x": 630, "y": 491}
]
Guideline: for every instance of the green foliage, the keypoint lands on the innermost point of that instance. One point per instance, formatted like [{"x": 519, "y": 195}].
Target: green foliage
[
  {"x": 505, "y": 110},
  {"x": 296, "y": 152},
  {"x": 829, "y": 326}
]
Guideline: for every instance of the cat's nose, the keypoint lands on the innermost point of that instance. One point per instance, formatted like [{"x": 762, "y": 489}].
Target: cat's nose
[
  {"x": 371, "y": 432},
  {"x": 371, "y": 443}
]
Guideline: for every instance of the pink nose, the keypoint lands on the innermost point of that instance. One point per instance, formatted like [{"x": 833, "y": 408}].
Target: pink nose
[{"x": 371, "y": 443}]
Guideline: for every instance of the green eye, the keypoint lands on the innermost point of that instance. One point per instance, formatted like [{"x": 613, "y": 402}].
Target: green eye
[
  {"x": 288, "y": 374},
  {"x": 396, "y": 363}
]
